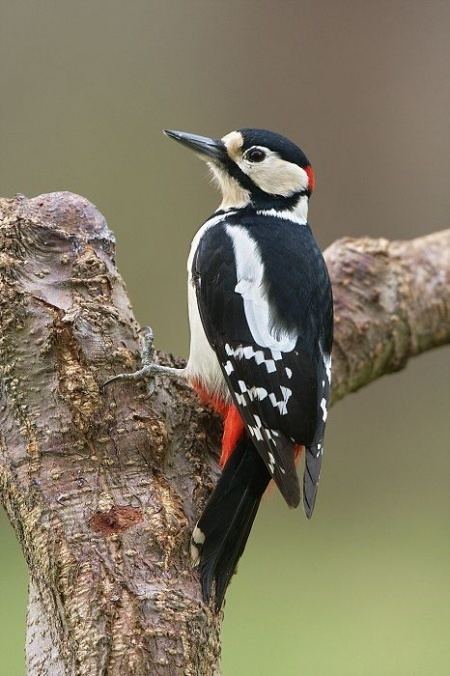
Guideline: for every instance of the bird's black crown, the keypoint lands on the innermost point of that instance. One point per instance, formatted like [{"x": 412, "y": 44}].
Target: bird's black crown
[{"x": 285, "y": 148}]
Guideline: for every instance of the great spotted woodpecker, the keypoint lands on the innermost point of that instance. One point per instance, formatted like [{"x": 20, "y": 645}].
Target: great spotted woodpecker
[{"x": 261, "y": 320}]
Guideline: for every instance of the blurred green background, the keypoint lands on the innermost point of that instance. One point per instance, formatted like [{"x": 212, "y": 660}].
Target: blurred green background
[{"x": 85, "y": 89}]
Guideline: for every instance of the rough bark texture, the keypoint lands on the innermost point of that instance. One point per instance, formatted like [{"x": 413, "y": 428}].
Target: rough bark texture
[{"x": 103, "y": 486}]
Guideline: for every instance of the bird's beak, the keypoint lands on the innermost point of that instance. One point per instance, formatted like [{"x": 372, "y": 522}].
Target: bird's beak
[{"x": 207, "y": 148}]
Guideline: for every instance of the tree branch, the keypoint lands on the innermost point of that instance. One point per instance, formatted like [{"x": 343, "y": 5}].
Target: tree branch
[
  {"x": 103, "y": 487},
  {"x": 391, "y": 302}
]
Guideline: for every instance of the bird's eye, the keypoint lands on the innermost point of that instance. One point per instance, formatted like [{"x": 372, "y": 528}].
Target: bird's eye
[{"x": 255, "y": 155}]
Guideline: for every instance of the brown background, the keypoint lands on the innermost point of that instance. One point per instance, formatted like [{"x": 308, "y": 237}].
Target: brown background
[{"x": 85, "y": 89}]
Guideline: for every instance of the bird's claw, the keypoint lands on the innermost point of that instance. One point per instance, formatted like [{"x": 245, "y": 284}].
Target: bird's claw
[
  {"x": 143, "y": 373},
  {"x": 148, "y": 369}
]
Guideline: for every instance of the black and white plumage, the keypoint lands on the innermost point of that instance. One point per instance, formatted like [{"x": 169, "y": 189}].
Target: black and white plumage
[
  {"x": 261, "y": 317},
  {"x": 260, "y": 286}
]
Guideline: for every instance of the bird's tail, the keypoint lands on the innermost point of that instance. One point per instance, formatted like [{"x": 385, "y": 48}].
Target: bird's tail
[{"x": 221, "y": 533}]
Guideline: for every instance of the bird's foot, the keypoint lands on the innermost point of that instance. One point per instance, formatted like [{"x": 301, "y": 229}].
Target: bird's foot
[{"x": 148, "y": 368}]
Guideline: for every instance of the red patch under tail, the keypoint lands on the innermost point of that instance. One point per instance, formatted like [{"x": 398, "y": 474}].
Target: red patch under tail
[
  {"x": 232, "y": 432},
  {"x": 216, "y": 403},
  {"x": 233, "y": 424}
]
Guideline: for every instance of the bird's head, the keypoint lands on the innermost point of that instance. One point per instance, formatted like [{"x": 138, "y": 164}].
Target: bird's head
[{"x": 255, "y": 167}]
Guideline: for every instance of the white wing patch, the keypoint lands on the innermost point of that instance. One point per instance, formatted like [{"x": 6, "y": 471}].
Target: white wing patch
[{"x": 250, "y": 285}]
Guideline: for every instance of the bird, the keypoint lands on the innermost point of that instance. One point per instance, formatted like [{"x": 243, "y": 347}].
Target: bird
[{"x": 260, "y": 311}]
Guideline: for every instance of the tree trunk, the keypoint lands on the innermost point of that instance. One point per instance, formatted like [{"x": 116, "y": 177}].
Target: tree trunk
[{"x": 103, "y": 486}]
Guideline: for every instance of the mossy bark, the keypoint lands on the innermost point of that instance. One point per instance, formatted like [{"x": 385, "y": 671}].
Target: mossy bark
[{"x": 103, "y": 486}]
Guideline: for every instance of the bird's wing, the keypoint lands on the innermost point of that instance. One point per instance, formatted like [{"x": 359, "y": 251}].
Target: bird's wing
[{"x": 265, "y": 303}]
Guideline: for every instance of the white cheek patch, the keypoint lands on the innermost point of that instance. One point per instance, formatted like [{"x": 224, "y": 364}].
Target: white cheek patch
[
  {"x": 250, "y": 285},
  {"x": 275, "y": 175}
]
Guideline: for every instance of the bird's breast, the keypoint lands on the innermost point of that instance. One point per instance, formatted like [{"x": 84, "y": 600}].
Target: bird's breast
[{"x": 203, "y": 367}]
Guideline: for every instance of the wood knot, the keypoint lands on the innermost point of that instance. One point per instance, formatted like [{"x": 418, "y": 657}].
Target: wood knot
[{"x": 115, "y": 520}]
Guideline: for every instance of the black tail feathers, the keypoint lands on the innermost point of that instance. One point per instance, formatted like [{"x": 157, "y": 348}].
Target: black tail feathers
[
  {"x": 221, "y": 533},
  {"x": 311, "y": 476}
]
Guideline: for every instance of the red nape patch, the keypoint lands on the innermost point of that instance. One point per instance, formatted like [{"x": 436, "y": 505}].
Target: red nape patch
[
  {"x": 311, "y": 178},
  {"x": 232, "y": 432}
]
